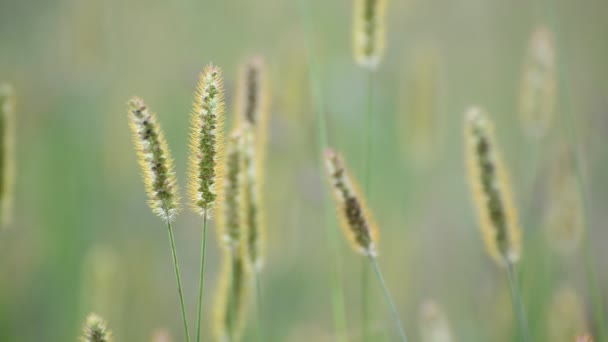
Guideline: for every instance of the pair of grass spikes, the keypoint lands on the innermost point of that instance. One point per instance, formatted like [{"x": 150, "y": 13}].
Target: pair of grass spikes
[{"x": 225, "y": 188}]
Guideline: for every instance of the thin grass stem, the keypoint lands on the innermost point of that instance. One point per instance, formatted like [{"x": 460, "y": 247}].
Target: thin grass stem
[
  {"x": 202, "y": 280},
  {"x": 518, "y": 307},
  {"x": 367, "y": 166},
  {"x": 339, "y": 314},
  {"x": 258, "y": 307},
  {"x": 179, "y": 281},
  {"x": 364, "y": 300},
  {"x": 389, "y": 299}
]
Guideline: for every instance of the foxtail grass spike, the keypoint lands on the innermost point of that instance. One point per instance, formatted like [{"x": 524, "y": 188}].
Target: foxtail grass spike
[
  {"x": 232, "y": 298},
  {"x": 369, "y": 32},
  {"x": 206, "y": 144},
  {"x": 231, "y": 210},
  {"x": 565, "y": 316},
  {"x": 355, "y": 218},
  {"x": 564, "y": 218},
  {"x": 491, "y": 189},
  {"x": 155, "y": 160},
  {"x": 252, "y": 113},
  {"x": 7, "y": 157},
  {"x": 538, "y": 93},
  {"x": 433, "y": 323},
  {"x": 96, "y": 330}
]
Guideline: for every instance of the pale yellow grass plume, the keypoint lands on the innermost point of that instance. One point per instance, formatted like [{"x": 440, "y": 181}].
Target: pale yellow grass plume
[
  {"x": 420, "y": 107},
  {"x": 161, "y": 335},
  {"x": 96, "y": 330},
  {"x": 564, "y": 217},
  {"x": 565, "y": 316},
  {"x": 231, "y": 210},
  {"x": 538, "y": 92},
  {"x": 154, "y": 159},
  {"x": 7, "y": 156},
  {"x": 252, "y": 118},
  {"x": 232, "y": 298},
  {"x": 491, "y": 189},
  {"x": 206, "y": 141},
  {"x": 355, "y": 218},
  {"x": 369, "y": 31},
  {"x": 433, "y": 323}
]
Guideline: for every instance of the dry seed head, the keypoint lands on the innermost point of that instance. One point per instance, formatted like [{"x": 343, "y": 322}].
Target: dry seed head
[
  {"x": 155, "y": 160},
  {"x": 161, "y": 335},
  {"x": 433, "y": 323},
  {"x": 7, "y": 157},
  {"x": 491, "y": 189},
  {"x": 232, "y": 298},
  {"x": 253, "y": 220},
  {"x": 96, "y": 330},
  {"x": 355, "y": 218},
  {"x": 369, "y": 30},
  {"x": 230, "y": 220},
  {"x": 565, "y": 316},
  {"x": 538, "y": 84},
  {"x": 563, "y": 217},
  {"x": 206, "y": 144},
  {"x": 584, "y": 338}
]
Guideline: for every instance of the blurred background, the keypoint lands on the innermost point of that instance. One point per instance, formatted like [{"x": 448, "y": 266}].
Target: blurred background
[{"x": 83, "y": 238}]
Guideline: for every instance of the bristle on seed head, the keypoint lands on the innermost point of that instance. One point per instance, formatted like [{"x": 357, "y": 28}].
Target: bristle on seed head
[
  {"x": 230, "y": 220},
  {"x": 206, "y": 144},
  {"x": 96, "y": 330},
  {"x": 356, "y": 220},
  {"x": 155, "y": 160},
  {"x": 369, "y": 32},
  {"x": 491, "y": 189},
  {"x": 7, "y": 157}
]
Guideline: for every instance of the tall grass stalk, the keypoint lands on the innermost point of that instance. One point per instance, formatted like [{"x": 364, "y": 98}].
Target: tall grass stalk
[
  {"x": 258, "y": 307},
  {"x": 179, "y": 281},
  {"x": 518, "y": 306},
  {"x": 388, "y": 298},
  {"x": 339, "y": 314},
  {"x": 571, "y": 131},
  {"x": 202, "y": 278}
]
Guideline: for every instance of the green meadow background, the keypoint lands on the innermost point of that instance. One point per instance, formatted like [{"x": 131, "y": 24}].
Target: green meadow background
[{"x": 83, "y": 238}]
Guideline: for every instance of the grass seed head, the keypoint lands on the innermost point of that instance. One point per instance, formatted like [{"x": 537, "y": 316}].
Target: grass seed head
[
  {"x": 232, "y": 297},
  {"x": 155, "y": 160},
  {"x": 355, "y": 218},
  {"x": 369, "y": 30},
  {"x": 230, "y": 220},
  {"x": 565, "y": 316},
  {"x": 96, "y": 330},
  {"x": 433, "y": 323},
  {"x": 491, "y": 189},
  {"x": 538, "y": 90},
  {"x": 7, "y": 157},
  {"x": 206, "y": 141}
]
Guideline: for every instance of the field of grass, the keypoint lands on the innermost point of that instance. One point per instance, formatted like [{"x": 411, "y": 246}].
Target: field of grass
[{"x": 82, "y": 238}]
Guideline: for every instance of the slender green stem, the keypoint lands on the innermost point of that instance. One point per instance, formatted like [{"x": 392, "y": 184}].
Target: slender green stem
[
  {"x": 179, "y": 281},
  {"x": 364, "y": 300},
  {"x": 389, "y": 300},
  {"x": 570, "y": 125},
  {"x": 518, "y": 307},
  {"x": 202, "y": 280},
  {"x": 258, "y": 306},
  {"x": 369, "y": 132},
  {"x": 339, "y": 314}
]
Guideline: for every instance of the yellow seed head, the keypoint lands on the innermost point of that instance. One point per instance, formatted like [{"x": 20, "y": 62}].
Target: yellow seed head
[
  {"x": 538, "y": 84},
  {"x": 565, "y": 316},
  {"x": 433, "y": 323},
  {"x": 252, "y": 113},
  {"x": 96, "y": 330},
  {"x": 491, "y": 189},
  {"x": 355, "y": 218},
  {"x": 369, "y": 32},
  {"x": 7, "y": 157},
  {"x": 232, "y": 298},
  {"x": 230, "y": 220},
  {"x": 155, "y": 160},
  {"x": 206, "y": 141}
]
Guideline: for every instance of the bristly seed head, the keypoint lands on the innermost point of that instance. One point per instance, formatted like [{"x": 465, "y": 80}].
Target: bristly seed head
[
  {"x": 96, "y": 330},
  {"x": 355, "y": 218},
  {"x": 252, "y": 94},
  {"x": 232, "y": 297},
  {"x": 7, "y": 158},
  {"x": 230, "y": 222},
  {"x": 369, "y": 32},
  {"x": 155, "y": 160},
  {"x": 207, "y": 138},
  {"x": 491, "y": 189}
]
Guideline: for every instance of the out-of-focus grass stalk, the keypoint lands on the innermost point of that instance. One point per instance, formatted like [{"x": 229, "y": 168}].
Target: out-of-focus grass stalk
[
  {"x": 331, "y": 236},
  {"x": 179, "y": 280},
  {"x": 569, "y": 125},
  {"x": 388, "y": 297},
  {"x": 518, "y": 306}
]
